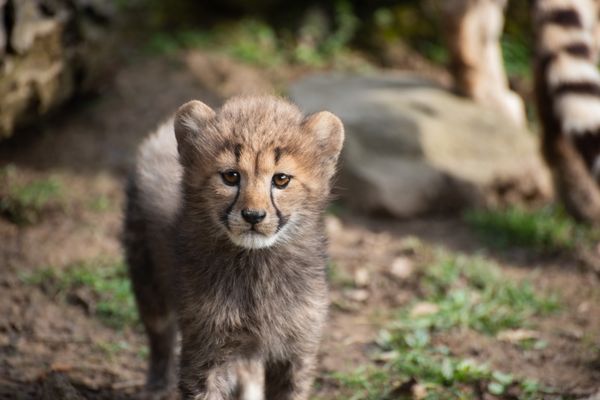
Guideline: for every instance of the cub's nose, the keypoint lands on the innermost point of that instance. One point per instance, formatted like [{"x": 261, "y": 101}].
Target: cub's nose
[{"x": 253, "y": 216}]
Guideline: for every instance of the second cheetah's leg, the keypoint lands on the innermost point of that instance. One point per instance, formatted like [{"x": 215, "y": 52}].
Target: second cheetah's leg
[{"x": 473, "y": 30}]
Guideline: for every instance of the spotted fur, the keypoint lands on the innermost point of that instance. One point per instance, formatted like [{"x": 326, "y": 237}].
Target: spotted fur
[{"x": 249, "y": 300}]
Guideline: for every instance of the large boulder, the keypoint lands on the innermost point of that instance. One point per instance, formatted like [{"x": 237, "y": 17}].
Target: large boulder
[
  {"x": 414, "y": 148},
  {"x": 50, "y": 50}
]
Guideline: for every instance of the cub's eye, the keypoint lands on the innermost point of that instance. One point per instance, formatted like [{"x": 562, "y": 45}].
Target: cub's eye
[
  {"x": 281, "y": 180},
  {"x": 231, "y": 178}
]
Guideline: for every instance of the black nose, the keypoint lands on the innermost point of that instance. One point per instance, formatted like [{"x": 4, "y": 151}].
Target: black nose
[{"x": 253, "y": 216}]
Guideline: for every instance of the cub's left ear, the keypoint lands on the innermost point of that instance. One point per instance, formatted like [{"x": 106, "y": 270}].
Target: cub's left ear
[{"x": 328, "y": 131}]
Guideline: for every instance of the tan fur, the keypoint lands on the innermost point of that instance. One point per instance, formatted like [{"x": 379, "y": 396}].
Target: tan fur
[{"x": 250, "y": 298}]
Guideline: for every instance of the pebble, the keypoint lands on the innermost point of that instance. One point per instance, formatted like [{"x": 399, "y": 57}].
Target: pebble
[
  {"x": 362, "y": 278},
  {"x": 402, "y": 267},
  {"x": 333, "y": 225}
]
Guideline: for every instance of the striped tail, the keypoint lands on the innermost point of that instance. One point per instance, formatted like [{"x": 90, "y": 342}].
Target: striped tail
[{"x": 567, "y": 77}]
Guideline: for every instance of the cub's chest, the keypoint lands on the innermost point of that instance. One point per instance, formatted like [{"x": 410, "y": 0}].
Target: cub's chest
[{"x": 257, "y": 295}]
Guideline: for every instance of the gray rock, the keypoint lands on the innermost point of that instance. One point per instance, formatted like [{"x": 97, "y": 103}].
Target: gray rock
[{"x": 414, "y": 148}]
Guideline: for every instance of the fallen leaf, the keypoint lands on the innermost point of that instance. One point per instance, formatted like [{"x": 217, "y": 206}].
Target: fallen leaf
[
  {"x": 358, "y": 295},
  {"x": 424, "y": 308},
  {"x": 517, "y": 335}
]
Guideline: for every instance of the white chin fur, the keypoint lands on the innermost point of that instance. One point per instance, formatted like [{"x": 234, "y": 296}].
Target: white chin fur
[{"x": 253, "y": 240}]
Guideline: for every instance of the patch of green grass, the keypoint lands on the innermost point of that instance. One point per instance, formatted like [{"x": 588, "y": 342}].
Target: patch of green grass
[
  {"x": 415, "y": 360},
  {"x": 365, "y": 383},
  {"x": 320, "y": 47},
  {"x": 465, "y": 293},
  {"x": 25, "y": 203},
  {"x": 248, "y": 40},
  {"x": 253, "y": 41},
  {"x": 544, "y": 229},
  {"x": 143, "y": 352},
  {"x": 471, "y": 292},
  {"x": 111, "y": 349},
  {"x": 517, "y": 57},
  {"x": 100, "y": 204},
  {"x": 338, "y": 277},
  {"x": 435, "y": 52},
  {"x": 336, "y": 208},
  {"x": 107, "y": 282}
]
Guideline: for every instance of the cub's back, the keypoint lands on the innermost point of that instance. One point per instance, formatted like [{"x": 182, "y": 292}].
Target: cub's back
[{"x": 157, "y": 177}]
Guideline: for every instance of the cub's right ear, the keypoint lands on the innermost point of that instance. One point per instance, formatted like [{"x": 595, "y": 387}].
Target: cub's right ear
[{"x": 190, "y": 120}]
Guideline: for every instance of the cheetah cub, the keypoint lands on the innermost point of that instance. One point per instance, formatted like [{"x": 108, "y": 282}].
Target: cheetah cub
[{"x": 225, "y": 242}]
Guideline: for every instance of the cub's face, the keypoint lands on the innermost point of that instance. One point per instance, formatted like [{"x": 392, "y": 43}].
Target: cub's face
[
  {"x": 257, "y": 168},
  {"x": 258, "y": 195}
]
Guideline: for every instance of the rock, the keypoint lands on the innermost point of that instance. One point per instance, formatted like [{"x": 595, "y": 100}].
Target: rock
[
  {"x": 333, "y": 225},
  {"x": 362, "y": 278},
  {"x": 52, "y": 50},
  {"x": 584, "y": 307},
  {"x": 414, "y": 148},
  {"x": 402, "y": 268}
]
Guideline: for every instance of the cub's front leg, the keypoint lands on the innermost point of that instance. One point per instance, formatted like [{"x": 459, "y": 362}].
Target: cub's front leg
[
  {"x": 225, "y": 372},
  {"x": 290, "y": 379},
  {"x": 199, "y": 369}
]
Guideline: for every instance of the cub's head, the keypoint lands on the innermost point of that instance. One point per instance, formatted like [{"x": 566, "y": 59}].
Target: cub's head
[{"x": 257, "y": 168}]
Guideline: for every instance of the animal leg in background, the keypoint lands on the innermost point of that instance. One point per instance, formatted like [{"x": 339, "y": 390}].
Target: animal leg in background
[{"x": 473, "y": 30}]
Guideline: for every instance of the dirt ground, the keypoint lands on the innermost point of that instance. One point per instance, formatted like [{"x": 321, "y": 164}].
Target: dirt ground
[{"x": 90, "y": 147}]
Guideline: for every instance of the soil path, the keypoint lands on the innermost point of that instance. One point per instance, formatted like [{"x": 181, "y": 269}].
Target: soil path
[{"x": 90, "y": 149}]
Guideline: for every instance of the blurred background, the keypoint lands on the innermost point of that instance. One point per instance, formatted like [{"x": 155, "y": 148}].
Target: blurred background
[{"x": 455, "y": 272}]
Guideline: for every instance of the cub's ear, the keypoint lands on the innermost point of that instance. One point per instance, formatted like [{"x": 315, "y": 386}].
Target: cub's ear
[
  {"x": 328, "y": 131},
  {"x": 190, "y": 121}
]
